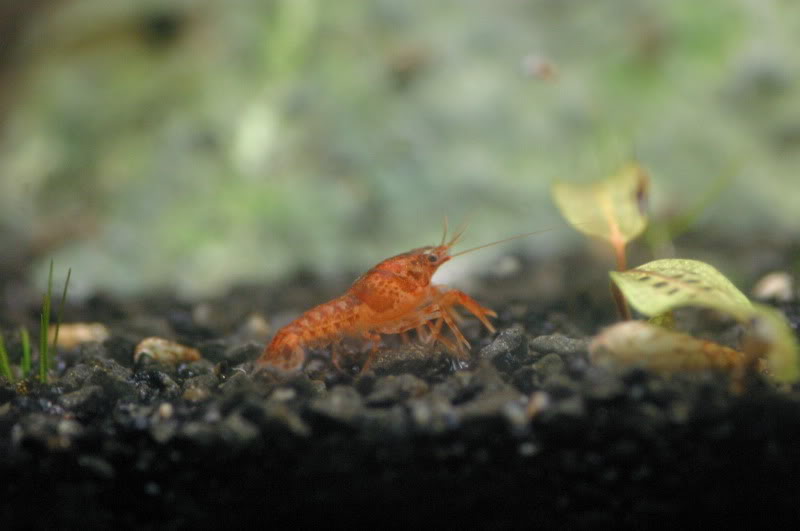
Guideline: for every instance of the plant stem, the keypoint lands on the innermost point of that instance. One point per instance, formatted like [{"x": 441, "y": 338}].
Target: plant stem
[
  {"x": 622, "y": 305},
  {"x": 622, "y": 260},
  {"x": 619, "y": 299},
  {"x": 5, "y": 367}
]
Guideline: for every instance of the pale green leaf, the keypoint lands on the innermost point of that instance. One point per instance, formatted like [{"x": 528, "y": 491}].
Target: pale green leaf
[
  {"x": 664, "y": 285},
  {"x": 636, "y": 343},
  {"x": 610, "y": 209}
]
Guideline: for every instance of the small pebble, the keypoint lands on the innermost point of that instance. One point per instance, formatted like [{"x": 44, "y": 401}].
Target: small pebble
[
  {"x": 342, "y": 403},
  {"x": 547, "y": 367},
  {"x": 97, "y": 465},
  {"x": 70, "y": 335},
  {"x": 392, "y": 389},
  {"x": 508, "y": 350},
  {"x": 195, "y": 394},
  {"x": 80, "y": 398},
  {"x": 559, "y": 344},
  {"x": 538, "y": 402},
  {"x": 778, "y": 286},
  {"x": 283, "y": 394},
  {"x": 165, "y": 410},
  {"x": 161, "y": 349}
]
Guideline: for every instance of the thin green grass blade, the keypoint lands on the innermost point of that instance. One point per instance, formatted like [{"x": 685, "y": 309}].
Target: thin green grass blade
[
  {"x": 44, "y": 329},
  {"x": 43, "y": 344},
  {"x": 25, "y": 364},
  {"x": 5, "y": 366},
  {"x": 59, "y": 313}
]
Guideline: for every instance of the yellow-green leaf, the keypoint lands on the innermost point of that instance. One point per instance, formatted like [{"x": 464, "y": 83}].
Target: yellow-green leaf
[
  {"x": 778, "y": 343},
  {"x": 610, "y": 209},
  {"x": 645, "y": 345},
  {"x": 663, "y": 285}
]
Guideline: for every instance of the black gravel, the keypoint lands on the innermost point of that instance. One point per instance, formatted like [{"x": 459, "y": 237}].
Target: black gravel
[{"x": 527, "y": 433}]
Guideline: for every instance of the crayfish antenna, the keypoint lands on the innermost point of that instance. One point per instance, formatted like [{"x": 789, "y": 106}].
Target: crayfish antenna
[
  {"x": 459, "y": 233},
  {"x": 518, "y": 236},
  {"x": 444, "y": 234}
]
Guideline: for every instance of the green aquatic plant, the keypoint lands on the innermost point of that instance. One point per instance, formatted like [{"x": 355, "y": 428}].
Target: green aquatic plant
[
  {"x": 45, "y": 350},
  {"x": 6, "y": 369},
  {"x": 25, "y": 363},
  {"x": 44, "y": 328},
  {"x": 657, "y": 288},
  {"x": 618, "y": 203},
  {"x": 60, "y": 312},
  {"x": 5, "y": 366}
]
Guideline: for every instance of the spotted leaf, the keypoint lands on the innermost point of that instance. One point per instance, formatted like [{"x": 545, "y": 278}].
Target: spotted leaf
[{"x": 664, "y": 285}]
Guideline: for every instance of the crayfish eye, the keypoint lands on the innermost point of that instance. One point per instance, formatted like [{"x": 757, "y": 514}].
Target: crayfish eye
[{"x": 432, "y": 258}]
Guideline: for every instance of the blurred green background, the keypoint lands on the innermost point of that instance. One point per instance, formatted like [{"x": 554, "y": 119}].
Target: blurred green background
[{"x": 196, "y": 143}]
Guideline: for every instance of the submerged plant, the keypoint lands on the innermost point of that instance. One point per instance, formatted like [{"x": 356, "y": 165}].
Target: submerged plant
[
  {"x": 60, "y": 312},
  {"x": 45, "y": 361},
  {"x": 5, "y": 366},
  {"x": 618, "y": 202},
  {"x": 6, "y": 369},
  {"x": 657, "y": 288},
  {"x": 44, "y": 327},
  {"x": 25, "y": 363}
]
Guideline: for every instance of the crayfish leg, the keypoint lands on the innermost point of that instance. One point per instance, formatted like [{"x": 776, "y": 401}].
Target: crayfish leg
[
  {"x": 452, "y": 297},
  {"x": 336, "y": 354},
  {"x": 436, "y": 335},
  {"x": 423, "y": 334},
  {"x": 435, "y": 330},
  {"x": 444, "y": 303},
  {"x": 375, "y": 339},
  {"x": 461, "y": 342}
]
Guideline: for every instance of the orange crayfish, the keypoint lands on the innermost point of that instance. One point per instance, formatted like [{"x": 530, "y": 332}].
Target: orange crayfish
[{"x": 393, "y": 297}]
